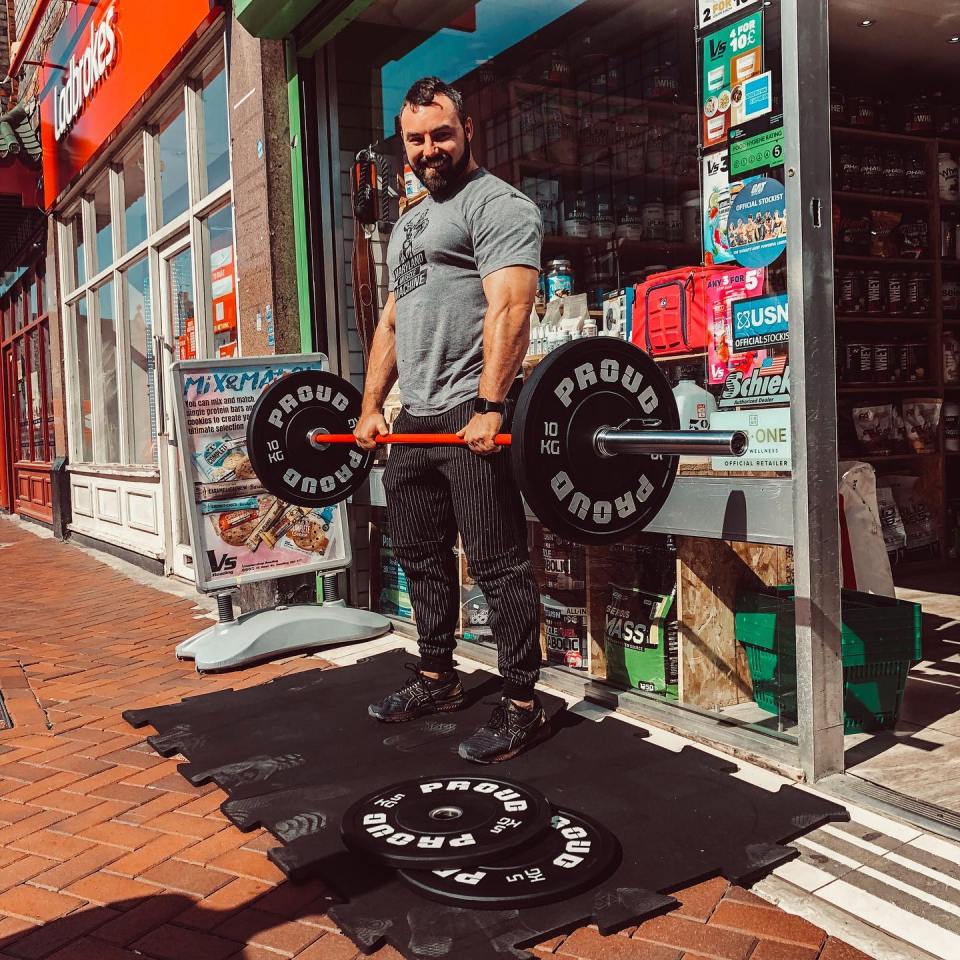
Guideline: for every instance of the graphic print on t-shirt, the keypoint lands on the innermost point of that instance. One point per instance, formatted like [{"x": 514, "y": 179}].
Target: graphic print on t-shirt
[{"x": 412, "y": 269}]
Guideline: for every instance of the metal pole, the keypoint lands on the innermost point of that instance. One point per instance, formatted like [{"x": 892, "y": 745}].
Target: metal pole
[
  {"x": 806, "y": 111},
  {"x": 610, "y": 442}
]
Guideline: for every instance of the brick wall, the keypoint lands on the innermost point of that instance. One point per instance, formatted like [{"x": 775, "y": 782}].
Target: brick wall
[{"x": 4, "y": 40}]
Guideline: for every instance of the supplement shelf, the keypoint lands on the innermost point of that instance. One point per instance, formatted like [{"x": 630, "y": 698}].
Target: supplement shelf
[
  {"x": 872, "y": 387},
  {"x": 860, "y": 133},
  {"x": 853, "y": 196},
  {"x": 880, "y": 318},
  {"x": 858, "y": 259}
]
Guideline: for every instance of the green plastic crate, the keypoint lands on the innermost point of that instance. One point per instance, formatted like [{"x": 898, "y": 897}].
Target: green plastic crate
[{"x": 880, "y": 638}]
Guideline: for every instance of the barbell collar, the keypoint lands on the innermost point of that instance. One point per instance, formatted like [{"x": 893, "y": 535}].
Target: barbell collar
[{"x": 612, "y": 441}]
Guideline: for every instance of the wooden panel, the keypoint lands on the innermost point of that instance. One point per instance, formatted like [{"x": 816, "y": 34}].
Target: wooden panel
[
  {"x": 33, "y": 491},
  {"x": 108, "y": 503},
  {"x": 81, "y": 493},
  {"x": 713, "y": 670},
  {"x": 141, "y": 511}
]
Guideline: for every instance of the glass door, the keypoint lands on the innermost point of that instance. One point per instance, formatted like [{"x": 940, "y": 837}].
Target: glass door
[{"x": 183, "y": 338}]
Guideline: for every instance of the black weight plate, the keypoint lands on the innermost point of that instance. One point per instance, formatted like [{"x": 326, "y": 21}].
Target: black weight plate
[
  {"x": 574, "y": 855},
  {"x": 572, "y": 393},
  {"x": 431, "y": 823},
  {"x": 281, "y": 455}
]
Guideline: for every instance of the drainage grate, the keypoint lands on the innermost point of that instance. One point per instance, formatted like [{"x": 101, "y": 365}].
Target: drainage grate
[
  {"x": 931, "y": 811},
  {"x": 6, "y": 721}
]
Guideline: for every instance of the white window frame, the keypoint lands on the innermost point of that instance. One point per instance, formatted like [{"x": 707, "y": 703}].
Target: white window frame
[{"x": 160, "y": 237}]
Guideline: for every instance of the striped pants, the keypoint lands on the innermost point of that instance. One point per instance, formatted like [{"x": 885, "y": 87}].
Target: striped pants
[{"x": 432, "y": 492}]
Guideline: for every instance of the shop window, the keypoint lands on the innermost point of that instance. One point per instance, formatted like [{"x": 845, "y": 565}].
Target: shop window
[
  {"x": 216, "y": 131},
  {"x": 5, "y": 325},
  {"x": 180, "y": 281},
  {"x": 139, "y": 320},
  {"x": 81, "y": 331},
  {"x": 48, "y": 391},
  {"x": 18, "y": 308},
  {"x": 33, "y": 304},
  {"x": 134, "y": 196},
  {"x": 174, "y": 178},
  {"x": 106, "y": 353},
  {"x": 220, "y": 267},
  {"x": 75, "y": 243},
  {"x": 23, "y": 422},
  {"x": 103, "y": 224},
  {"x": 37, "y": 426}
]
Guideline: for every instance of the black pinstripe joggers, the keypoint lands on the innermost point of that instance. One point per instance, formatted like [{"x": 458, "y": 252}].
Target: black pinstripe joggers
[{"x": 431, "y": 493}]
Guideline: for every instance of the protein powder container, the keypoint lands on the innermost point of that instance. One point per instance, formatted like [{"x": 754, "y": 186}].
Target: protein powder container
[
  {"x": 850, "y": 291},
  {"x": 951, "y": 358},
  {"x": 894, "y": 171},
  {"x": 654, "y": 221},
  {"x": 874, "y": 291},
  {"x": 895, "y": 303},
  {"x": 629, "y": 221},
  {"x": 566, "y": 633},
  {"x": 601, "y": 224},
  {"x": 674, "y": 220},
  {"x": 859, "y": 361},
  {"x": 951, "y": 426},
  {"x": 559, "y": 279},
  {"x": 950, "y": 291},
  {"x": 564, "y": 563},
  {"x": 576, "y": 215},
  {"x": 848, "y": 168},
  {"x": 863, "y": 112},
  {"x": 871, "y": 170},
  {"x": 917, "y": 294},
  {"x": 913, "y": 361},
  {"x": 915, "y": 175},
  {"x": 948, "y": 176},
  {"x": 883, "y": 354}
]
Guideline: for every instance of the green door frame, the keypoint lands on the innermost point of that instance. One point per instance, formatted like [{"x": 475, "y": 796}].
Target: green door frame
[{"x": 297, "y": 164}]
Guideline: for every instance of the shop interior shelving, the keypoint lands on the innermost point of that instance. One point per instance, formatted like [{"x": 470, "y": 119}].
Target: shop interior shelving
[{"x": 939, "y": 470}]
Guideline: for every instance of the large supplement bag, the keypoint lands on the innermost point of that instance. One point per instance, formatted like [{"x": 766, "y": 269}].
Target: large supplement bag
[{"x": 674, "y": 311}]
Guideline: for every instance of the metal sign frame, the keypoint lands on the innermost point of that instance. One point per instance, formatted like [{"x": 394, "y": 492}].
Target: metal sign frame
[{"x": 206, "y": 580}]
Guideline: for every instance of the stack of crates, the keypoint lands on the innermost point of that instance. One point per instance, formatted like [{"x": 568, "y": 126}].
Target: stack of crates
[{"x": 880, "y": 640}]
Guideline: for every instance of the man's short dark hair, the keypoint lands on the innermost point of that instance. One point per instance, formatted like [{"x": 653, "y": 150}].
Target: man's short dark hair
[{"x": 425, "y": 91}]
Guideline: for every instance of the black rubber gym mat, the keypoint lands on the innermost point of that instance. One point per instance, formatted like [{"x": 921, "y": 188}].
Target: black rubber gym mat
[{"x": 293, "y": 754}]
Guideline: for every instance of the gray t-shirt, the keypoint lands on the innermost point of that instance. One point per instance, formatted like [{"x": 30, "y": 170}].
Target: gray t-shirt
[{"x": 438, "y": 254}]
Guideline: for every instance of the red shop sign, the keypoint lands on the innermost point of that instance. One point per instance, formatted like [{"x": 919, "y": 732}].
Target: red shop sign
[{"x": 103, "y": 62}]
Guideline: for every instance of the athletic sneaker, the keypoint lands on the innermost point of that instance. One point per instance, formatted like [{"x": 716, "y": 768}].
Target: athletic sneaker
[
  {"x": 509, "y": 731},
  {"x": 419, "y": 697}
]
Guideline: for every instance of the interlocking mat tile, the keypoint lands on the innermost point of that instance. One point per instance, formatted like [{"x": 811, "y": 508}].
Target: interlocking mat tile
[{"x": 293, "y": 754}]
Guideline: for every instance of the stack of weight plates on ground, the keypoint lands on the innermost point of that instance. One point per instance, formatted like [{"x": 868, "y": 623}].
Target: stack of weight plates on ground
[{"x": 480, "y": 842}]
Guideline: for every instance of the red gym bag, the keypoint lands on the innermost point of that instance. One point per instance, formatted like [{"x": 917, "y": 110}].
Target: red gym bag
[{"x": 672, "y": 311}]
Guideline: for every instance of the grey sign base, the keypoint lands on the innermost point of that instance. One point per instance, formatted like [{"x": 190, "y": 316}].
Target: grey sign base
[{"x": 263, "y": 634}]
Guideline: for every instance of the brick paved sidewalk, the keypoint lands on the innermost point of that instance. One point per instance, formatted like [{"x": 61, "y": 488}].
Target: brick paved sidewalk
[{"x": 106, "y": 853}]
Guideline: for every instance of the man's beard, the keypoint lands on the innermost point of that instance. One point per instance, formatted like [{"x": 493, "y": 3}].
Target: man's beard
[{"x": 444, "y": 176}]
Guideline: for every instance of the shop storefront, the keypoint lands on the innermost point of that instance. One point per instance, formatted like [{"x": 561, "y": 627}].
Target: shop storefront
[
  {"x": 593, "y": 110},
  {"x": 137, "y": 181}
]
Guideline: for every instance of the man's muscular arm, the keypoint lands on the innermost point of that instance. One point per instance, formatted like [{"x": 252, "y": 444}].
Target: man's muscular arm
[
  {"x": 381, "y": 376},
  {"x": 510, "y": 293}
]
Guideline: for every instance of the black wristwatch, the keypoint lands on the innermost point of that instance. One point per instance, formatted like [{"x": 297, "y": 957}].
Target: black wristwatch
[{"x": 482, "y": 405}]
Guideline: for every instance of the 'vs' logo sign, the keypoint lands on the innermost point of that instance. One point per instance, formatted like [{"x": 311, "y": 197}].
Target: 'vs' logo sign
[
  {"x": 717, "y": 48},
  {"x": 226, "y": 563}
]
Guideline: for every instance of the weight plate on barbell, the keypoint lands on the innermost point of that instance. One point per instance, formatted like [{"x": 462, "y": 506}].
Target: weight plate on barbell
[
  {"x": 281, "y": 454},
  {"x": 453, "y": 822},
  {"x": 574, "y": 855},
  {"x": 576, "y": 390}
]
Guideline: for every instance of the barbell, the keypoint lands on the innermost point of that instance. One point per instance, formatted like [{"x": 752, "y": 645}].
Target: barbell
[{"x": 595, "y": 442}]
